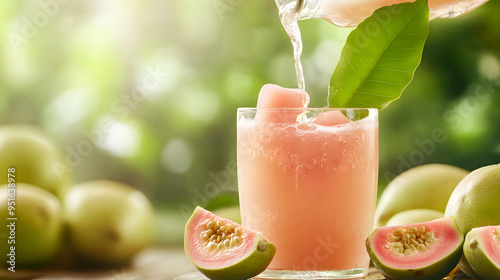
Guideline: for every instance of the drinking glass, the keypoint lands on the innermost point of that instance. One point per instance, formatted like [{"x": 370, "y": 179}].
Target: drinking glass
[{"x": 307, "y": 180}]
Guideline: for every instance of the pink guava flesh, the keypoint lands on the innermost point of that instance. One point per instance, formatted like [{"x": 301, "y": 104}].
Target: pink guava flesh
[
  {"x": 491, "y": 239},
  {"x": 214, "y": 259},
  {"x": 448, "y": 239}
]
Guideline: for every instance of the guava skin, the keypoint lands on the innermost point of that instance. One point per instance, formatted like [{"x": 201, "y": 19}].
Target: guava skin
[
  {"x": 427, "y": 186},
  {"x": 477, "y": 258},
  {"x": 465, "y": 267},
  {"x": 38, "y": 228},
  {"x": 253, "y": 264},
  {"x": 436, "y": 271},
  {"x": 108, "y": 222},
  {"x": 414, "y": 216},
  {"x": 37, "y": 159},
  {"x": 474, "y": 203}
]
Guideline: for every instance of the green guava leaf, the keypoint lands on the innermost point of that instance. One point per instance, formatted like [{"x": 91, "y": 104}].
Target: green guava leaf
[{"x": 380, "y": 57}]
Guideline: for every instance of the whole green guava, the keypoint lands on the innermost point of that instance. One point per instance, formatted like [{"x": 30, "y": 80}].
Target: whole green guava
[
  {"x": 37, "y": 160},
  {"x": 32, "y": 226},
  {"x": 427, "y": 186},
  {"x": 108, "y": 222}
]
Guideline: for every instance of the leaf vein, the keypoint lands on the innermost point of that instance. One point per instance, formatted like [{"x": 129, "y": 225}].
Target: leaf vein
[
  {"x": 390, "y": 69},
  {"x": 350, "y": 91},
  {"x": 398, "y": 58},
  {"x": 352, "y": 66},
  {"x": 412, "y": 34},
  {"x": 371, "y": 94},
  {"x": 401, "y": 49},
  {"x": 378, "y": 43},
  {"x": 363, "y": 51},
  {"x": 382, "y": 82}
]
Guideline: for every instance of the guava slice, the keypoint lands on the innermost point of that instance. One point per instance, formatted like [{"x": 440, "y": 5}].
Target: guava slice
[
  {"x": 482, "y": 251},
  {"x": 428, "y": 250},
  {"x": 222, "y": 249}
]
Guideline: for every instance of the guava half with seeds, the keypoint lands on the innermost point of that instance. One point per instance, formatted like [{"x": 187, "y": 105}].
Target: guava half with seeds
[
  {"x": 222, "y": 249},
  {"x": 482, "y": 251},
  {"x": 428, "y": 250}
]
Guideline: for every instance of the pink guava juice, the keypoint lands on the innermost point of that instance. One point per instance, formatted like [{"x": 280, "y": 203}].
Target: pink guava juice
[{"x": 309, "y": 186}]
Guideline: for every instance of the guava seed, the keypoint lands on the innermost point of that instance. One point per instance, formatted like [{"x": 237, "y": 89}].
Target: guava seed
[
  {"x": 408, "y": 241},
  {"x": 473, "y": 243},
  {"x": 394, "y": 238},
  {"x": 220, "y": 235}
]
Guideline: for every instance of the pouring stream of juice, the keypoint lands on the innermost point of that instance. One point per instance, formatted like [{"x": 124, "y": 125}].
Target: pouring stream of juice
[{"x": 288, "y": 17}]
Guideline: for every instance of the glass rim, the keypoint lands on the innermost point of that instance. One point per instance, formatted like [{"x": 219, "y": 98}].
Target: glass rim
[
  {"x": 251, "y": 109},
  {"x": 353, "y": 114}
]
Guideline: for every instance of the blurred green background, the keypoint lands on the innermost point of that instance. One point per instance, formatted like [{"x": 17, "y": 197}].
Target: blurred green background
[{"x": 169, "y": 75}]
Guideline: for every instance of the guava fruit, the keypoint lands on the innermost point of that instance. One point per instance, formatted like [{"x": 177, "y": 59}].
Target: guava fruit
[
  {"x": 414, "y": 216},
  {"x": 474, "y": 203},
  {"x": 36, "y": 233},
  {"x": 108, "y": 222},
  {"x": 224, "y": 250},
  {"x": 482, "y": 251},
  {"x": 36, "y": 158},
  {"x": 423, "y": 187},
  {"x": 428, "y": 250}
]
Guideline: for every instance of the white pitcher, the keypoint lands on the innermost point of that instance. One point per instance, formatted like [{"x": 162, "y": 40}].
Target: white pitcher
[{"x": 352, "y": 12}]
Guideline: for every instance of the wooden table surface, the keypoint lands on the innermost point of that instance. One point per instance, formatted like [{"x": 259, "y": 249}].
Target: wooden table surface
[{"x": 153, "y": 264}]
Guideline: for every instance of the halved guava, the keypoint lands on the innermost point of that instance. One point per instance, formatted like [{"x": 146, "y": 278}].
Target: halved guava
[
  {"x": 482, "y": 251},
  {"x": 428, "y": 250},
  {"x": 222, "y": 249}
]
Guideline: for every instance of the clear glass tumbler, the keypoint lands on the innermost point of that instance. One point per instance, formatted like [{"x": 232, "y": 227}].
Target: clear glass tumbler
[{"x": 308, "y": 181}]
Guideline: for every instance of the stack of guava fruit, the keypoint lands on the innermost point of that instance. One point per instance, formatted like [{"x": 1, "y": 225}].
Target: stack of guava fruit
[
  {"x": 50, "y": 221},
  {"x": 435, "y": 216}
]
